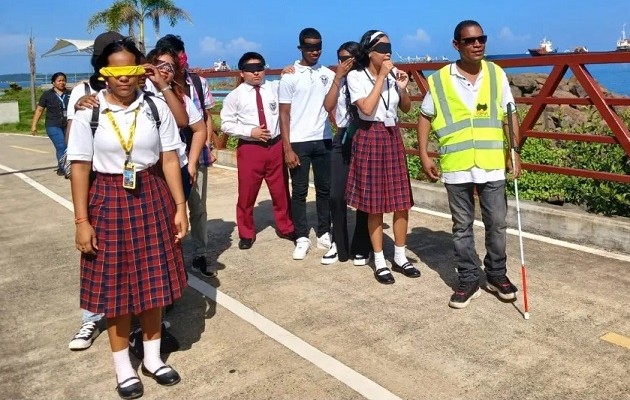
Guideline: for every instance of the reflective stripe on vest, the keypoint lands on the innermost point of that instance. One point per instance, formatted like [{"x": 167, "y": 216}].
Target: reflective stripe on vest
[{"x": 469, "y": 138}]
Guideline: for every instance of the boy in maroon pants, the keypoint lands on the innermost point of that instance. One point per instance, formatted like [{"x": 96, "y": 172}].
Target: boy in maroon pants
[{"x": 250, "y": 112}]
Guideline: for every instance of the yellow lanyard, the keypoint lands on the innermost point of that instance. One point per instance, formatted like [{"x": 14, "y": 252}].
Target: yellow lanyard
[{"x": 126, "y": 145}]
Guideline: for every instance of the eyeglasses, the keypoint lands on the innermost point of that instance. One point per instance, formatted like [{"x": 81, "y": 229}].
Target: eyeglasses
[{"x": 469, "y": 41}]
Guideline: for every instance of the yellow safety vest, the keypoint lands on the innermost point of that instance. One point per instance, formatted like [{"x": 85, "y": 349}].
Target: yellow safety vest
[{"x": 468, "y": 138}]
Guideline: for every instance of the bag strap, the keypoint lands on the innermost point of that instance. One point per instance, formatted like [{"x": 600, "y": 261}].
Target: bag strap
[
  {"x": 154, "y": 110},
  {"x": 196, "y": 79},
  {"x": 96, "y": 112}
]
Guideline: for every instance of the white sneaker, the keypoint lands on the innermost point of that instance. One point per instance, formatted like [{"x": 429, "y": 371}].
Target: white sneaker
[
  {"x": 324, "y": 242},
  {"x": 360, "y": 260},
  {"x": 83, "y": 339},
  {"x": 331, "y": 256},
  {"x": 302, "y": 246}
]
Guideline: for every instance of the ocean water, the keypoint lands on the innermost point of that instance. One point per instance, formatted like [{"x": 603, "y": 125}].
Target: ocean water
[{"x": 614, "y": 77}]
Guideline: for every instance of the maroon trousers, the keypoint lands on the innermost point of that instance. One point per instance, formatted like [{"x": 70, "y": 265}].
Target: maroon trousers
[{"x": 257, "y": 161}]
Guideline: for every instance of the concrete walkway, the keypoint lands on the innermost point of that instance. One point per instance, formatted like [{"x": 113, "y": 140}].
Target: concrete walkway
[{"x": 269, "y": 327}]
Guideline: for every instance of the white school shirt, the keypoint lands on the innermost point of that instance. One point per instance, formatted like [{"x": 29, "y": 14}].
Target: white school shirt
[
  {"x": 305, "y": 90},
  {"x": 341, "y": 111},
  {"x": 239, "y": 115},
  {"x": 104, "y": 149},
  {"x": 468, "y": 93},
  {"x": 194, "y": 116},
  {"x": 77, "y": 92},
  {"x": 361, "y": 83}
]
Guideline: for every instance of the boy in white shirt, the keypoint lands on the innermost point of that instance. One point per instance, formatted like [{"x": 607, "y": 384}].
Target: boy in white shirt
[
  {"x": 250, "y": 112},
  {"x": 307, "y": 139}
]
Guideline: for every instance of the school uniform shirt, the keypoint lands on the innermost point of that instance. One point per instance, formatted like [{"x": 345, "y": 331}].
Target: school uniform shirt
[
  {"x": 305, "y": 91},
  {"x": 77, "y": 92},
  {"x": 194, "y": 116},
  {"x": 208, "y": 100},
  {"x": 56, "y": 106},
  {"x": 104, "y": 149},
  {"x": 341, "y": 111},
  {"x": 361, "y": 83},
  {"x": 239, "y": 115},
  {"x": 468, "y": 93}
]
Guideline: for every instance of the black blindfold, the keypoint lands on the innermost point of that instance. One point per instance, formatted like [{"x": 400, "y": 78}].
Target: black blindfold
[
  {"x": 382, "y": 48},
  {"x": 253, "y": 67},
  {"x": 311, "y": 46}
]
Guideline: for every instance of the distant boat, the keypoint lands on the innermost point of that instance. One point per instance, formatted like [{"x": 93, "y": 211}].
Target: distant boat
[
  {"x": 221, "y": 66},
  {"x": 578, "y": 49},
  {"x": 416, "y": 59},
  {"x": 623, "y": 44},
  {"x": 546, "y": 47}
]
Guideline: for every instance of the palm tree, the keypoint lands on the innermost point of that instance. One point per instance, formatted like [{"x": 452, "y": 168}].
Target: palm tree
[{"x": 129, "y": 13}]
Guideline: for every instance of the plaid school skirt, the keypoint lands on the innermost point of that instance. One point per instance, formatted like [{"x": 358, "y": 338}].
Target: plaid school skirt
[
  {"x": 138, "y": 266},
  {"x": 378, "y": 181}
]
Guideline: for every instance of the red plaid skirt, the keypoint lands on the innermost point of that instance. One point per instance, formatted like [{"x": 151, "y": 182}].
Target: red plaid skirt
[
  {"x": 378, "y": 181},
  {"x": 137, "y": 266}
]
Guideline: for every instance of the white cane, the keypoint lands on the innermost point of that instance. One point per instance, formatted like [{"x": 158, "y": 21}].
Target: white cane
[{"x": 511, "y": 108}]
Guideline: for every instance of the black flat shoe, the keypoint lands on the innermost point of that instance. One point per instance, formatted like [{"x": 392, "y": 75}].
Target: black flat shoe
[
  {"x": 385, "y": 279},
  {"x": 132, "y": 391},
  {"x": 406, "y": 269},
  {"x": 169, "y": 378},
  {"x": 245, "y": 244}
]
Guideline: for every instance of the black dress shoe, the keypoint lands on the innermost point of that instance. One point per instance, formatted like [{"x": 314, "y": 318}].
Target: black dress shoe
[
  {"x": 406, "y": 269},
  {"x": 385, "y": 279},
  {"x": 169, "y": 378},
  {"x": 132, "y": 391},
  {"x": 245, "y": 244},
  {"x": 287, "y": 236}
]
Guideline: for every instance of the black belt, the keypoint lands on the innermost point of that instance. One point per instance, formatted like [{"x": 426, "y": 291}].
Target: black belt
[{"x": 268, "y": 143}]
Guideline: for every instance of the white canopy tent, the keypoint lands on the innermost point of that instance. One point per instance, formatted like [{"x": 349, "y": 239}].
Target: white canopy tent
[{"x": 70, "y": 47}]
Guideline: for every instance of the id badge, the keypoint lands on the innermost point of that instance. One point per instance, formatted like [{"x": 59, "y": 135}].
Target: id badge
[
  {"x": 390, "y": 121},
  {"x": 65, "y": 114},
  {"x": 129, "y": 176}
]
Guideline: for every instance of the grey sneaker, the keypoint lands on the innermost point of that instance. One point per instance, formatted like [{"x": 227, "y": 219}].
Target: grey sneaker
[{"x": 83, "y": 339}]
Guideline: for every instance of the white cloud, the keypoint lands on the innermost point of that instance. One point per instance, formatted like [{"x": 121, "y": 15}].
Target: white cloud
[
  {"x": 419, "y": 37},
  {"x": 214, "y": 47},
  {"x": 507, "y": 35}
]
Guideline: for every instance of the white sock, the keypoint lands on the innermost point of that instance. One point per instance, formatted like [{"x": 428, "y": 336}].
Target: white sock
[
  {"x": 379, "y": 262},
  {"x": 152, "y": 360},
  {"x": 399, "y": 255},
  {"x": 122, "y": 365}
]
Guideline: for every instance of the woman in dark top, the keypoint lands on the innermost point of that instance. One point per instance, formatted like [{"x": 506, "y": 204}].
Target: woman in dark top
[{"x": 55, "y": 101}]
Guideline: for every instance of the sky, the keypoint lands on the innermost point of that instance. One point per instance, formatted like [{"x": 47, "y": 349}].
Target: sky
[{"x": 224, "y": 30}]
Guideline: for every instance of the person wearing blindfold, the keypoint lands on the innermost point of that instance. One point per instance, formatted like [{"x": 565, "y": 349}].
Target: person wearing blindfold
[
  {"x": 306, "y": 136},
  {"x": 337, "y": 100},
  {"x": 467, "y": 108},
  {"x": 134, "y": 206},
  {"x": 250, "y": 113},
  {"x": 378, "y": 181}
]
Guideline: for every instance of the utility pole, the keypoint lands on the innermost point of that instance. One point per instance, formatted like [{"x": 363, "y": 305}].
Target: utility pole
[{"x": 31, "y": 62}]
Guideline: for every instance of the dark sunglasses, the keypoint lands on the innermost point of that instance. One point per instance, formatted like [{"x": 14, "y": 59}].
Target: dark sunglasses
[
  {"x": 344, "y": 58},
  {"x": 469, "y": 41}
]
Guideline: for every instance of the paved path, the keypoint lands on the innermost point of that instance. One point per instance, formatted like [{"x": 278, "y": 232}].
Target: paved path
[{"x": 269, "y": 327}]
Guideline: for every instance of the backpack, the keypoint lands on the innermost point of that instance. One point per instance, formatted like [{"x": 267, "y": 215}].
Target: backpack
[
  {"x": 94, "y": 125},
  {"x": 196, "y": 79}
]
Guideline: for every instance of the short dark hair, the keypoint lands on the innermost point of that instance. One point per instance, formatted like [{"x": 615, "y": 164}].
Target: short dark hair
[
  {"x": 57, "y": 75},
  {"x": 457, "y": 34},
  {"x": 175, "y": 42},
  {"x": 309, "y": 33},
  {"x": 250, "y": 55}
]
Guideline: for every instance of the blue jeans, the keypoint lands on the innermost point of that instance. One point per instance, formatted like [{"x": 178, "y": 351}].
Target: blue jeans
[
  {"x": 89, "y": 316},
  {"x": 317, "y": 153},
  {"x": 493, "y": 202},
  {"x": 57, "y": 136}
]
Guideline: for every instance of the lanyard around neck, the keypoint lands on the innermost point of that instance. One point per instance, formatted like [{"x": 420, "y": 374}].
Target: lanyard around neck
[
  {"x": 62, "y": 99},
  {"x": 386, "y": 104},
  {"x": 128, "y": 144}
]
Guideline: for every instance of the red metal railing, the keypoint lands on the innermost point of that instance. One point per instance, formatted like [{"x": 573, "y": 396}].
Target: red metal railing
[{"x": 561, "y": 63}]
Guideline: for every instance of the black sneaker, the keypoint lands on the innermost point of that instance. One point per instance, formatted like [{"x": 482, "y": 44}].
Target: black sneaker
[
  {"x": 465, "y": 292},
  {"x": 502, "y": 286},
  {"x": 168, "y": 342},
  {"x": 200, "y": 264}
]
